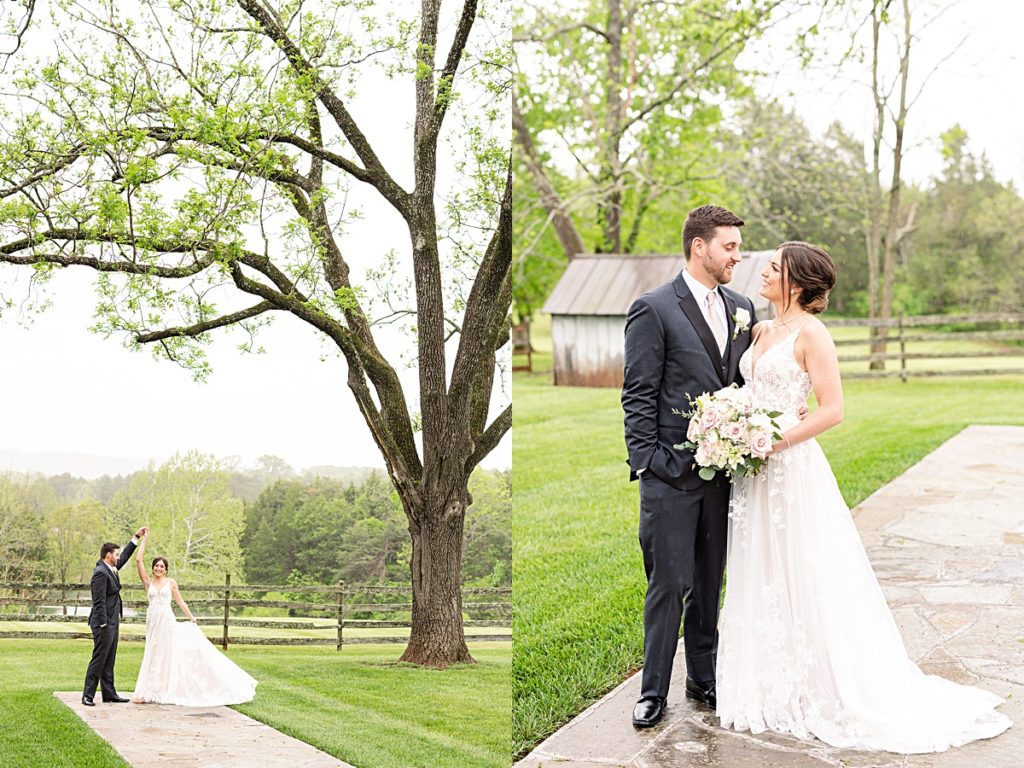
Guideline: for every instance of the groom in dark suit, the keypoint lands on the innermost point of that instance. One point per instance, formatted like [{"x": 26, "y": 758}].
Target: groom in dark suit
[
  {"x": 682, "y": 339},
  {"x": 105, "y": 620}
]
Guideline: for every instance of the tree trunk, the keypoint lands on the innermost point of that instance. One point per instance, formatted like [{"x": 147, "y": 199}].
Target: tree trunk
[
  {"x": 609, "y": 204},
  {"x": 875, "y": 216},
  {"x": 566, "y": 232},
  {"x": 437, "y": 638}
]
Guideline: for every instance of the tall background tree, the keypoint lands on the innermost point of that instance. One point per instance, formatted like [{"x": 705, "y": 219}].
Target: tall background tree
[
  {"x": 194, "y": 520},
  {"x": 202, "y": 159},
  {"x": 885, "y": 38},
  {"x": 613, "y": 116}
]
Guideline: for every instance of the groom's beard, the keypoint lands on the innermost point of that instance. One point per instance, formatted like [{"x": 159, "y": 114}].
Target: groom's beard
[{"x": 721, "y": 272}]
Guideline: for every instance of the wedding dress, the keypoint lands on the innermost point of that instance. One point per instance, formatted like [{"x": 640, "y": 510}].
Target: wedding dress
[
  {"x": 180, "y": 666},
  {"x": 807, "y": 643}
]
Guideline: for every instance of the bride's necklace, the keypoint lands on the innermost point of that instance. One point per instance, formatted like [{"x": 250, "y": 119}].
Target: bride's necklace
[{"x": 779, "y": 321}]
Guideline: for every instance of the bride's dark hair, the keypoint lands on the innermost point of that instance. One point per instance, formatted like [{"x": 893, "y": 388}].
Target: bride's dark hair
[
  {"x": 812, "y": 270},
  {"x": 167, "y": 566}
]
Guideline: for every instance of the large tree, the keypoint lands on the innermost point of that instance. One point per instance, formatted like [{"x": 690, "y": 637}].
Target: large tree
[
  {"x": 795, "y": 186},
  {"x": 614, "y": 112},
  {"x": 203, "y": 159},
  {"x": 885, "y": 37}
]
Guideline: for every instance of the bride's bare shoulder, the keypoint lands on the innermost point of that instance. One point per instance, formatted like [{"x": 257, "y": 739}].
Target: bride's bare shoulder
[{"x": 814, "y": 332}]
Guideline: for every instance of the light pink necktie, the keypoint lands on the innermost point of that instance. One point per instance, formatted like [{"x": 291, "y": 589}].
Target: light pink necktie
[{"x": 715, "y": 320}]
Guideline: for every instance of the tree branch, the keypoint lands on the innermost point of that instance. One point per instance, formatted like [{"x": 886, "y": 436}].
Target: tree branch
[
  {"x": 447, "y": 78},
  {"x": 208, "y": 325},
  {"x": 376, "y": 174},
  {"x": 8, "y": 250},
  {"x": 565, "y": 229},
  {"x": 490, "y": 438},
  {"x": 482, "y": 304}
]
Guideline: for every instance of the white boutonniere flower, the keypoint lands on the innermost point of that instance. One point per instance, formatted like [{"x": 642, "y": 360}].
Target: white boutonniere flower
[{"x": 742, "y": 320}]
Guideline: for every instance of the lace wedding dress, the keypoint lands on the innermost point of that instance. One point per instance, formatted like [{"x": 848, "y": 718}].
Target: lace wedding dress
[
  {"x": 180, "y": 666},
  {"x": 807, "y": 644}
]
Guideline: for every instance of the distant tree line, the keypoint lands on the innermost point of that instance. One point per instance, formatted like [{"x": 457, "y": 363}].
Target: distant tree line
[
  {"x": 627, "y": 114},
  {"x": 265, "y": 524}
]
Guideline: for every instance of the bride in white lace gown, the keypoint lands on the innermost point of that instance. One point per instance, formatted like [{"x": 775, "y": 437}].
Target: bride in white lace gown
[
  {"x": 180, "y": 666},
  {"x": 807, "y": 644}
]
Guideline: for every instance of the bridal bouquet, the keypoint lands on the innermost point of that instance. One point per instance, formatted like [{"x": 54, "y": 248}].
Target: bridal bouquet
[{"x": 728, "y": 433}]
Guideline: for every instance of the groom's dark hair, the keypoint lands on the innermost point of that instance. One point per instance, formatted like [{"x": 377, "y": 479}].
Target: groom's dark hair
[
  {"x": 702, "y": 222},
  {"x": 107, "y": 548}
]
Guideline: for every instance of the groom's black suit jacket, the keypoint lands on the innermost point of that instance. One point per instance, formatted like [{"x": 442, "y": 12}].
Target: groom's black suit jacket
[
  {"x": 671, "y": 356},
  {"x": 106, "y": 591}
]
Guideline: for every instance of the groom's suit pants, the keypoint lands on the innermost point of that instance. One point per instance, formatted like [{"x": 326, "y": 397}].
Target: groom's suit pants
[
  {"x": 101, "y": 665},
  {"x": 683, "y": 536}
]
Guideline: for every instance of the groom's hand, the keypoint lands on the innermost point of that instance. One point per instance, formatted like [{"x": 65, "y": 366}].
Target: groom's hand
[
  {"x": 802, "y": 413},
  {"x": 144, "y": 530}
]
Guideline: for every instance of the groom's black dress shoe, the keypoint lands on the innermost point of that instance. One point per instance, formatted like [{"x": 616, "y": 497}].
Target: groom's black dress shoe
[
  {"x": 114, "y": 700},
  {"x": 87, "y": 701},
  {"x": 648, "y": 711},
  {"x": 704, "y": 692}
]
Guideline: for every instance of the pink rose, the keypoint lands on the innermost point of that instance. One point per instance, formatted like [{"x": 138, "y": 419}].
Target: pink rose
[
  {"x": 760, "y": 444},
  {"x": 733, "y": 431},
  {"x": 710, "y": 419}
]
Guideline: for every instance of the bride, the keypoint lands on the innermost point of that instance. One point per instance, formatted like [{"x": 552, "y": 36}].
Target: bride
[
  {"x": 807, "y": 643},
  {"x": 179, "y": 665}
]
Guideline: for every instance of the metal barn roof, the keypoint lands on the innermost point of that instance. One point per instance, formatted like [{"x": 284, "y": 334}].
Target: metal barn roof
[{"x": 606, "y": 284}]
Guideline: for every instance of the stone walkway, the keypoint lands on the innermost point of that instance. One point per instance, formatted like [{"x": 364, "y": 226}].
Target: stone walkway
[
  {"x": 163, "y": 736},
  {"x": 947, "y": 542}
]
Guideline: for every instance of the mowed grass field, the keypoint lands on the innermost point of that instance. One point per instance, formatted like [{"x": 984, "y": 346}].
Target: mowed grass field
[
  {"x": 359, "y": 705},
  {"x": 577, "y": 571}
]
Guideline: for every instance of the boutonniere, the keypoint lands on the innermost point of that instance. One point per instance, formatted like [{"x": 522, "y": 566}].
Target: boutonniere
[{"x": 742, "y": 320}]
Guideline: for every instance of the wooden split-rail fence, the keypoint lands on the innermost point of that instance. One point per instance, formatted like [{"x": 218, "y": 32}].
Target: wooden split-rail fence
[
  {"x": 332, "y": 609},
  {"x": 906, "y": 330}
]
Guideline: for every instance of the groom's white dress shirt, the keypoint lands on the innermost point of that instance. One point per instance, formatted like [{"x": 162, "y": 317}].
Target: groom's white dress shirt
[{"x": 700, "y": 293}]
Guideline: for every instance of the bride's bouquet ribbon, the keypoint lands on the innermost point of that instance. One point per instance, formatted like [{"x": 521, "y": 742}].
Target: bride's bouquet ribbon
[{"x": 728, "y": 433}]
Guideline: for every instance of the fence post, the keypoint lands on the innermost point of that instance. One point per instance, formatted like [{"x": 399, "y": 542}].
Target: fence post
[
  {"x": 227, "y": 601},
  {"x": 903, "y": 351},
  {"x": 341, "y": 612}
]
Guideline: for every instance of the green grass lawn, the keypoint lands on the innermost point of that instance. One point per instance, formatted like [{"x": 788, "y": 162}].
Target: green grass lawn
[
  {"x": 359, "y": 705},
  {"x": 577, "y": 570}
]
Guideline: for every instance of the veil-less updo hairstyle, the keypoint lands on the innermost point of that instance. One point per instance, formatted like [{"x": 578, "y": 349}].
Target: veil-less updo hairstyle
[
  {"x": 167, "y": 566},
  {"x": 809, "y": 268}
]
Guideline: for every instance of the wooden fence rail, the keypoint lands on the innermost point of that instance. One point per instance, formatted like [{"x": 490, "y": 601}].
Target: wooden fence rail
[
  {"x": 335, "y": 611},
  {"x": 895, "y": 330}
]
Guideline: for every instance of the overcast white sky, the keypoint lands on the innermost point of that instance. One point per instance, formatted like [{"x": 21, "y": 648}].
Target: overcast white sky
[
  {"x": 65, "y": 389},
  {"x": 979, "y": 84}
]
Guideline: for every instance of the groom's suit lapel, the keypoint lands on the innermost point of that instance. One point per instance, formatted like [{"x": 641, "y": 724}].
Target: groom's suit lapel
[
  {"x": 731, "y": 349},
  {"x": 700, "y": 325}
]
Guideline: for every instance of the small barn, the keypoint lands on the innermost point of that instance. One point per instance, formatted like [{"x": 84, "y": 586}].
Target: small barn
[{"x": 588, "y": 309}]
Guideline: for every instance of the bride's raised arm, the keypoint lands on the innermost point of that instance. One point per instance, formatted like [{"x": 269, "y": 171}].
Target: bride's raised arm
[
  {"x": 816, "y": 353},
  {"x": 140, "y": 558},
  {"x": 181, "y": 603}
]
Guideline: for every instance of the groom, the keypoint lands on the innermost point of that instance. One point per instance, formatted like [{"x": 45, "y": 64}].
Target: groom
[
  {"x": 682, "y": 339},
  {"x": 105, "y": 619}
]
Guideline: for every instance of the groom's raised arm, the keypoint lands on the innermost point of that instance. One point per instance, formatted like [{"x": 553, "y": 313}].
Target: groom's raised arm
[
  {"x": 126, "y": 553},
  {"x": 644, "y": 360}
]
